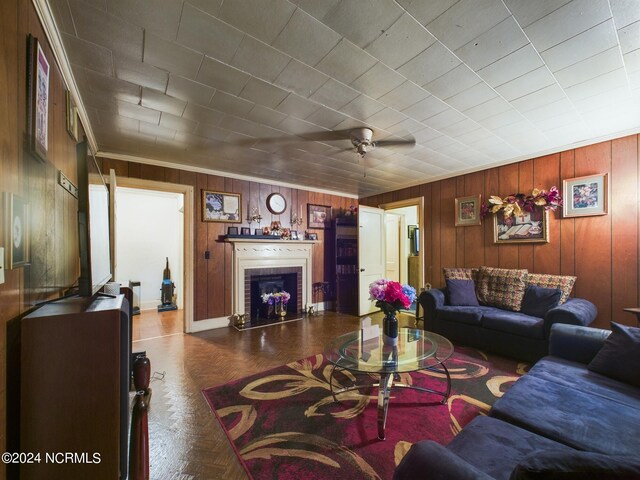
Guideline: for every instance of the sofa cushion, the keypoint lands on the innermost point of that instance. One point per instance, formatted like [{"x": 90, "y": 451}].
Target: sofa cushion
[
  {"x": 460, "y": 273},
  {"x": 501, "y": 287},
  {"x": 515, "y": 323},
  {"x": 569, "y": 416},
  {"x": 466, "y": 315},
  {"x": 619, "y": 357},
  {"x": 462, "y": 292},
  {"x": 429, "y": 456},
  {"x": 538, "y": 301},
  {"x": 563, "y": 282},
  {"x": 575, "y": 375},
  {"x": 555, "y": 465},
  {"x": 496, "y": 447}
]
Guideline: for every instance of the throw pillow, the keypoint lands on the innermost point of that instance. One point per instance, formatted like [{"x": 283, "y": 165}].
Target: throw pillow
[
  {"x": 619, "y": 357},
  {"x": 563, "y": 282},
  {"x": 538, "y": 301},
  {"x": 460, "y": 274},
  {"x": 568, "y": 465},
  {"x": 501, "y": 287},
  {"x": 462, "y": 293}
]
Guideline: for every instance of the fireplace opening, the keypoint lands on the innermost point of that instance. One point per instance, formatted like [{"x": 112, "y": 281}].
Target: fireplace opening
[{"x": 273, "y": 283}]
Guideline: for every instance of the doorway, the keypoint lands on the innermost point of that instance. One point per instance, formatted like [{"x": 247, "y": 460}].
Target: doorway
[
  {"x": 149, "y": 245},
  {"x": 154, "y": 221},
  {"x": 404, "y": 241}
]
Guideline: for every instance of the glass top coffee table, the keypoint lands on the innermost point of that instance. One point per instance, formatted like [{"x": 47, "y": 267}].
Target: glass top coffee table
[{"x": 415, "y": 350}]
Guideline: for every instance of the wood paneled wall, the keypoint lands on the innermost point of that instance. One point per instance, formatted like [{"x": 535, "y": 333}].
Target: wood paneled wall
[
  {"x": 212, "y": 282},
  {"x": 602, "y": 251},
  {"x": 54, "y": 238}
]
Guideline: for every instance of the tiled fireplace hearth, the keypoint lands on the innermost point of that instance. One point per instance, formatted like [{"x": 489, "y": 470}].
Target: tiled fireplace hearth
[{"x": 252, "y": 258}]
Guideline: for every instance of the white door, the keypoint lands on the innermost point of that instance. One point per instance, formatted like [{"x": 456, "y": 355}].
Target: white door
[
  {"x": 392, "y": 233},
  {"x": 113, "y": 186},
  {"x": 371, "y": 253}
]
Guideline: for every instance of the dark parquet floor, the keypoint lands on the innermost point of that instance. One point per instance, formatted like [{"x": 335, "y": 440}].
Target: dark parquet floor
[{"x": 186, "y": 441}]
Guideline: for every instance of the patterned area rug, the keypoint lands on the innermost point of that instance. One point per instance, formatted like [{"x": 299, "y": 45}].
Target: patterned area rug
[{"x": 284, "y": 424}]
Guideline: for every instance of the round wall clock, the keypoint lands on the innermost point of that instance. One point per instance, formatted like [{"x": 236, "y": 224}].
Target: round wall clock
[{"x": 276, "y": 203}]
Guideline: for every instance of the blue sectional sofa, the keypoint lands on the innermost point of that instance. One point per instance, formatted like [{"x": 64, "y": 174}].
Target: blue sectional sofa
[
  {"x": 561, "y": 420},
  {"x": 510, "y": 333}
]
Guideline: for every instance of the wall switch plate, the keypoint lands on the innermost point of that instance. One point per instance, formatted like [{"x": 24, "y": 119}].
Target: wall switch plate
[
  {"x": 1, "y": 265},
  {"x": 66, "y": 184}
]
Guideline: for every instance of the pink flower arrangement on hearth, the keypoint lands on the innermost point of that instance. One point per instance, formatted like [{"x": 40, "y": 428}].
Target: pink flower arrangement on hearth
[
  {"x": 391, "y": 296},
  {"x": 275, "y": 298},
  {"x": 518, "y": 203}
]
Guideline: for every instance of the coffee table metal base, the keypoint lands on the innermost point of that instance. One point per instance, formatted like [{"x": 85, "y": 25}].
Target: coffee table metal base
[{"x": 389, "y": 381}]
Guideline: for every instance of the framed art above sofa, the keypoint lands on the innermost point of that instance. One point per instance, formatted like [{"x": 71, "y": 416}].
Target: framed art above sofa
[{"x": 532, "y": 227}]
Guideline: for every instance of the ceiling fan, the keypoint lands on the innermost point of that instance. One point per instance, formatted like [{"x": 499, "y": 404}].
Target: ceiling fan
[{"x": 361, "y": 138}]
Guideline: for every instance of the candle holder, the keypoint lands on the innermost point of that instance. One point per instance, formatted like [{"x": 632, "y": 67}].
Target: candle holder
[{"x": 295, "y": 220}]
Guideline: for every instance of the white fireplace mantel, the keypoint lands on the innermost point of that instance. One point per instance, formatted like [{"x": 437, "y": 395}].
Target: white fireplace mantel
[{"x": 249, "y": 254}]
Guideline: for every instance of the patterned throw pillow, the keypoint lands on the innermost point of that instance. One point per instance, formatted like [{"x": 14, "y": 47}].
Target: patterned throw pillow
[
  {"x": 501, "y": 287},
  {"x": 563, "y": 282},
  {"x": 460, "y": 274}
]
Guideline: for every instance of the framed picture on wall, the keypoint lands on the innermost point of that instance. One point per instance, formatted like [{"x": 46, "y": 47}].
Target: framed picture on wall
[
  {"x": 72, "y": 116},
  {"x": 532, "y": 227},
  {"x": 585, "y": 196},
  {"x": 319, "y": 216},
  {"x": 221, "y": 207},
  {"x": 38, "y": 99},
  {"x": 468, "y": 211},
  {"x": 16, "y": 213}
]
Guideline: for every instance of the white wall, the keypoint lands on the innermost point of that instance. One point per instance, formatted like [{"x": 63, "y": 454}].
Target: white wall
[{"x": 150, "y": 228}]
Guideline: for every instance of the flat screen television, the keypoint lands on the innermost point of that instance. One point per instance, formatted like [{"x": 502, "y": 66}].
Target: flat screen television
[{"x": 93, "y": 224}]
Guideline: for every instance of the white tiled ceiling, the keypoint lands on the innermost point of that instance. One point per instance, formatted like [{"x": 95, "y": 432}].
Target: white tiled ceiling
[{"x": 243, "y": 86}]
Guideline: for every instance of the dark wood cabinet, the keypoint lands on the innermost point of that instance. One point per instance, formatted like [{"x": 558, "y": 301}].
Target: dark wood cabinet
[
  {"x": 346, "y": 265},
  {"x": 74, "y": 391}
]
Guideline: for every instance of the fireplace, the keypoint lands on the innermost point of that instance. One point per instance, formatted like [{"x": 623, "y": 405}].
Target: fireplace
[
  {"x": 291, "y": 260},
  {"x": 270, "y": 280}
]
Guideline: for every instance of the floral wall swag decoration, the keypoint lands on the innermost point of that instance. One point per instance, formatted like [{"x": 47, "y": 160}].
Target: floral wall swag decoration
[{"x": 519, "y": 204}]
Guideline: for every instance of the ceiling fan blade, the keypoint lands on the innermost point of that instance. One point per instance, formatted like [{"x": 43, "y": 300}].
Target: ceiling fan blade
[
  {"x": 327, "y": 135},
  {"x": 395, "y": 143}
]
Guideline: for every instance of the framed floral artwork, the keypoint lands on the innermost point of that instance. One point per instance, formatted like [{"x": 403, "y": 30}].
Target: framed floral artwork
[
  {"x": 468, "y": 211},
  {"x": 38, "y": 99},
  {"x": 585, "y": 196},
  {"x": 221, "y": 207},
  {"x": 529, "y": 227}
]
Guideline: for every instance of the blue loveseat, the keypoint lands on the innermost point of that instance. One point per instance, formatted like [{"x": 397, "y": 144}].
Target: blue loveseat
[
  {"x": 561, "y": 420},
  {"x": 506, "y": 332}
]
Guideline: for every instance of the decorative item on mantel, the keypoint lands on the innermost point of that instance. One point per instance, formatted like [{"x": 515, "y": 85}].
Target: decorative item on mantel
[
  {"x": 254, "y": 217},
  {"x": 518, "y": 203},
  {"x": 296, "y": 219},
  {"x": 391, "y": 296}
]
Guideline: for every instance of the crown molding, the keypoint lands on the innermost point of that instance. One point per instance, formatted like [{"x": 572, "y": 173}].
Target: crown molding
[
  {"x": 210, "y": 171},
  {"x": 52, "y": 33}
]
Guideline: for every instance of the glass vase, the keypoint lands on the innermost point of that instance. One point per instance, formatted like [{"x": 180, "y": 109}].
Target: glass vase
[
  {"x": 390, "y": 329},
  {"x": 281, "y": 310}
]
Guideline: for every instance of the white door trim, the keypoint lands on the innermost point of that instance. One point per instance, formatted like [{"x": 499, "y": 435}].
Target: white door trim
[
  {"x": 419, "y": 202},
  {"x": 188, "y": 256}
]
